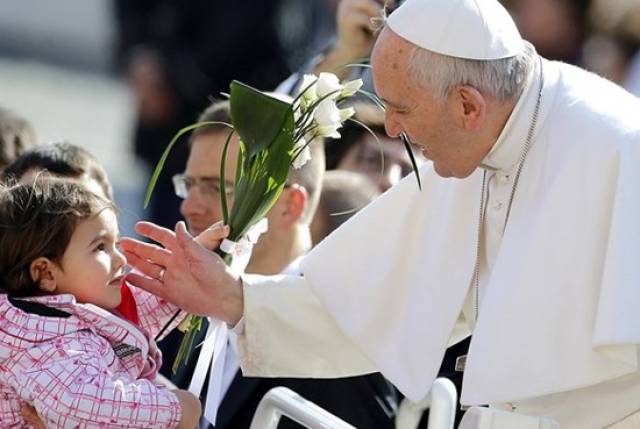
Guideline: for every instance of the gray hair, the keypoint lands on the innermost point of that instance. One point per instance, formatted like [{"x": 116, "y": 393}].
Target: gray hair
[{"x": 503, "y": 79}]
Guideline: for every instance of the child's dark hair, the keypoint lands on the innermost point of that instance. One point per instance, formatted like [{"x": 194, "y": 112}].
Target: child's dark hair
[
  {"x": 61, "y": 159},
  {"x": 38, "y": 219}
]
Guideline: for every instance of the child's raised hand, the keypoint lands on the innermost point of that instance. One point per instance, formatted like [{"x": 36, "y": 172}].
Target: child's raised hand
[{"x": 211, "y": 237}]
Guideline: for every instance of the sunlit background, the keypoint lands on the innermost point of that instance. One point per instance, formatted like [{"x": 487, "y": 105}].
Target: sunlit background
[{"x": 61, "y": 63}]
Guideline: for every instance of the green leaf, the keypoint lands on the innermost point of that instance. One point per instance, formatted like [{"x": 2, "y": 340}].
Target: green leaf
[
  {"x": 362, "y": 63},
  {"x": 256, "y": 116},
  {"x": 373, "y": 97},
  {"x": 160, "y": 165},
  {"x": 263, "y": 179},
  {"x": 239, "y": 165},
  {"x": 186, "y": 345},
  {"x": 407, "y": 146},
  {"x": 403, "y": 136},
  {"x": 223, "y": 181}
]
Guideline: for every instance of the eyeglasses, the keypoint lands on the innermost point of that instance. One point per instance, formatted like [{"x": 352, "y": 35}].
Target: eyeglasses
[{"x": 207, "y": 186}]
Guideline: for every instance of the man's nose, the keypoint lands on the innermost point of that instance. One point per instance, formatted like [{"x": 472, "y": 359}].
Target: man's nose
[{"x": 192, "y": 204}]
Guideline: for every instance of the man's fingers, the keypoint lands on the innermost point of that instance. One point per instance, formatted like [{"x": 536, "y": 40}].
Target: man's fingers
[
  {"x": 147, "y": 283},
  {"x": 146, "y": 251},
  {"x": 370, "y": 7},
  {"x": 210, "y": 238},
  {"x": 161, "y": 235},
  {"x": 146, "y": 267},
  {"x": 362, "y": 20}
]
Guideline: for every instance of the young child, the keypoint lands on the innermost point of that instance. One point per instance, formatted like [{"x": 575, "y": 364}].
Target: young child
[
  {"x": 64, "y": 159},
  {"x": 63, "y": 349}
]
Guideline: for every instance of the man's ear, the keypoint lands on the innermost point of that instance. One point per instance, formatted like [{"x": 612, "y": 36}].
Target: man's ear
[
  {"x": 42, "y": 271},
  {"x": 472, "y": 106},
  {"x": 296, "y": 201}
]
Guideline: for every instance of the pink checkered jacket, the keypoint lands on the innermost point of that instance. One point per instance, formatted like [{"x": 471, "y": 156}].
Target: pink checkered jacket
[{"x": 81, "y": 366}]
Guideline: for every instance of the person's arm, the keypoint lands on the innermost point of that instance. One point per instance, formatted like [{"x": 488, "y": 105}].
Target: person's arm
[
  {"x": 356, "y": 36},
  {"x": 282, "y": 316},
  {"x": 287, "y": 332},
  {"x": 69, "y": 383}
]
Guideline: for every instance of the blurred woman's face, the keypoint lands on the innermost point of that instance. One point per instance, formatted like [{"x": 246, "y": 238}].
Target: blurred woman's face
[{"x": 365, "y": 157}]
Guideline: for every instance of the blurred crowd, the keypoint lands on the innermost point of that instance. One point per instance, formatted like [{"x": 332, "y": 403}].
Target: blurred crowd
[{"x": 179, "y": 59}]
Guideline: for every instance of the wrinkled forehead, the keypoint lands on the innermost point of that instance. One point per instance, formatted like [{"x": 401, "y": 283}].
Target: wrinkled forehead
[
  {"x": 390, "y": 64},
  {"x": 390, "y": 51}
]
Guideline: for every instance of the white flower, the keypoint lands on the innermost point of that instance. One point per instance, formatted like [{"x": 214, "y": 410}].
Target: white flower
[
  {"x": 346, "y": 113},
  {"x": 350, "y": 88},
  {"x": 327, "y": 118},
  {"x": 304, "y": 155},
  {"x": 309, "y": 87},
  {"x": 320, "y": 93},
  {"x": 328, "y": 85}
]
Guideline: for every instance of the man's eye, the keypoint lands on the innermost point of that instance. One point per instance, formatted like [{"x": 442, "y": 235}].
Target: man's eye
[{"x": 211, "y": 188}]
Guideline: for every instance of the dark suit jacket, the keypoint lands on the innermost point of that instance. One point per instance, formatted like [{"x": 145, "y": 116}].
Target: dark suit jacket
[{"x": 365, "y": 402}]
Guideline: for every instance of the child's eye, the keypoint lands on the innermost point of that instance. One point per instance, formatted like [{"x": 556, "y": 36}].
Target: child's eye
[{"x": 101, "y": 247}]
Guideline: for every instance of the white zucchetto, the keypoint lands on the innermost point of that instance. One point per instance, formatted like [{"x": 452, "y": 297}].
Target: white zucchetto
[{"x": 471, "y": 29}]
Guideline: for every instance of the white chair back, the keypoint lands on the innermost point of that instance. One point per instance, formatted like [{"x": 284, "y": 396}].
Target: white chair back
[
  {"x": 281, "y": 401},
  {"x": 441, "y": 401}
]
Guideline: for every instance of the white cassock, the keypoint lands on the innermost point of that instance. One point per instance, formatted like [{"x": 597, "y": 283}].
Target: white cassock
[{"x": 558, "y": 327}]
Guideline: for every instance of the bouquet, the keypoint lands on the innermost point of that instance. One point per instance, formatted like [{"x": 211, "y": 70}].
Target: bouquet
[{"x": 274, "y": 135}]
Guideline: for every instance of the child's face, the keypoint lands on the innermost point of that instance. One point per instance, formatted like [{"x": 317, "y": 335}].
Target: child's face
[{"x": 92, "y": 264}]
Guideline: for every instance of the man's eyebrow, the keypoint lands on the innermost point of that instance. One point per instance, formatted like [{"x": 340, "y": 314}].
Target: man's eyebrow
[{"x": 213, "y": 179}]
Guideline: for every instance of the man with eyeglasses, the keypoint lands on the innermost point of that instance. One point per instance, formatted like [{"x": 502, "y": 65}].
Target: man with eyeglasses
[{"x": 365, "y": 402}]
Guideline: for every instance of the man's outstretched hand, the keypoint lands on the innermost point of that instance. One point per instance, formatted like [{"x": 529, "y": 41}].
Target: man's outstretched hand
[{"x": 184, "y": 272}]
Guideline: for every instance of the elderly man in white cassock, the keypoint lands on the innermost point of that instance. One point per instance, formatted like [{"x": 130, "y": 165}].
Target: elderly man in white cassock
[{"x": 525, "y": 233}]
